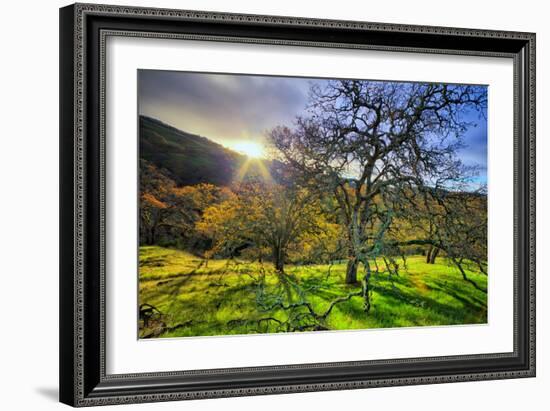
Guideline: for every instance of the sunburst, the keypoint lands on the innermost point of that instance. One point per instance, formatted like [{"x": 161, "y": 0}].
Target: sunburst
[{"x": 250, "y": 149}]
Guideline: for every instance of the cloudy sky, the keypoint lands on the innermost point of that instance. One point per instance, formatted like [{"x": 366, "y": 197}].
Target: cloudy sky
[{"x": 230, "y": 109}]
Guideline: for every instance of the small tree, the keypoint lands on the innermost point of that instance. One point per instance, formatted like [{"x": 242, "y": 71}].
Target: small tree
[
  {"x": 264, "y": 216},
  {"x": 152, "y": 214},
  {"x": 170, "y": 212},
  {"x": 155, "y": 188}
]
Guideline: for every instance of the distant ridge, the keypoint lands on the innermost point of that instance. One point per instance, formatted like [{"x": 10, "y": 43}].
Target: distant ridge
[{"x": 186, "y": 158}]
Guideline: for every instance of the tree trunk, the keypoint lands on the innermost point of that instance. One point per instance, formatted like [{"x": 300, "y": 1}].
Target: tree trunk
[
  {"x": 428, "y": 254},
  {"x": 279, "y": 260},
  {"x": 433, "y": 255},
  {"x": 351, "y": 270},
  {"x": 150, "y": 236},
  {"x": 280, "y": 266},
  {"x": 366, "y": 287}
]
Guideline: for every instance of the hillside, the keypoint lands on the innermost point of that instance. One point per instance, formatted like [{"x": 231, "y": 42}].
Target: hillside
[{"x": 186, "y": 158}]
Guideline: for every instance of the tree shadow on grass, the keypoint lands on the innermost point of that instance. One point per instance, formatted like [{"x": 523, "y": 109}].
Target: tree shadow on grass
[
  {"x": 395, "y": 302},
  {"x": 206, "y": 306},
  {"x": 463, "y": 313},
  {"x": 152, "y": 261},
  {"x": 461, "y": 293}
]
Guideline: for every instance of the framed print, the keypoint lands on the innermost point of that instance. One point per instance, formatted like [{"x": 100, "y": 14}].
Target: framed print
[{"x": 261, "y": 204}]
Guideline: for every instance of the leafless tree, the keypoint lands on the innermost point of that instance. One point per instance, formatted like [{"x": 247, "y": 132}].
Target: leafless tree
[{"x": 374, "y": 144}]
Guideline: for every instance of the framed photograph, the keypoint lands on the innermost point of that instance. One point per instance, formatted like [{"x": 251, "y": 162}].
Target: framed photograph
[{"x": 260, "y": 204}]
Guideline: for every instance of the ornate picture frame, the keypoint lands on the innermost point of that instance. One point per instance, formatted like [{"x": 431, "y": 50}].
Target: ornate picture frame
[{"x": 84, "y": 30}]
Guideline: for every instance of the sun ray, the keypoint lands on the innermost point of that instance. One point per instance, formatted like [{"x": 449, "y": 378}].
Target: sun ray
[
  {"x": 242, "y": 171},
  {"x": 253, "y": 167}
]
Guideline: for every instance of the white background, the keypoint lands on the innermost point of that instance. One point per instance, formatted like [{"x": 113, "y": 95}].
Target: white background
[
  {"x": 126, "y": 354},
  {"x": 29, "y": 206}
]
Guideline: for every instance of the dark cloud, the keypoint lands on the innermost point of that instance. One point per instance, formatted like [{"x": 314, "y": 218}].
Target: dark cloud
[{"x": 221, "y": 107}]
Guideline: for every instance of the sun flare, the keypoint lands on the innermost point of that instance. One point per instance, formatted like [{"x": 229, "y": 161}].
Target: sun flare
[{"x": 249, "y": 148}]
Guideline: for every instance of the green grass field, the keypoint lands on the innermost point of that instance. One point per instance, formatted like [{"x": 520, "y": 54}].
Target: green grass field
[{"x": 220, "y": 297}]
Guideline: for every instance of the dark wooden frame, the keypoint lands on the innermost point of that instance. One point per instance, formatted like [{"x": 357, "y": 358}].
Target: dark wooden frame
[{"x": 83, "y": 30}]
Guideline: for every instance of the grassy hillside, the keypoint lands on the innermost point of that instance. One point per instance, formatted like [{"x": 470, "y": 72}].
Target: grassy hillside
[
  {"x": 221, "y": 296},
  {"x": 187, "y": 158}
]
